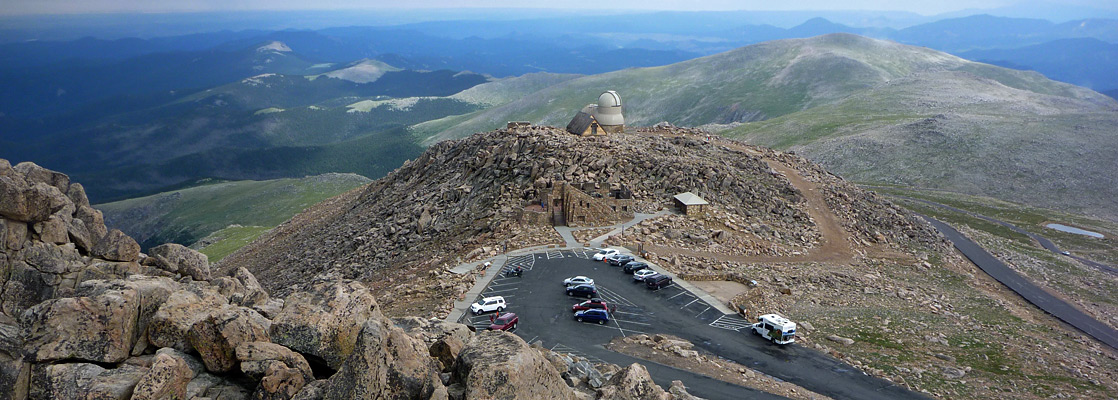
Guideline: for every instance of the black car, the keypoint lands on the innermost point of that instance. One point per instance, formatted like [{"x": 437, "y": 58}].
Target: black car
[
  {"x": 587, "y": 291},
  {"x": 634, "y": 267},
  {"x": 620, "y": 260},
  {"x": 658, "y": 281}
]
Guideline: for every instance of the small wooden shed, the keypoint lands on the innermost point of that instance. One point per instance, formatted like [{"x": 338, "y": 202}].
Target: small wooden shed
[{"x": 690, "y": 204}]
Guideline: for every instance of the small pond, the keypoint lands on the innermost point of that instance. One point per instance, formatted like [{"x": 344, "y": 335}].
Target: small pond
[{"x": 1077, "y": 231}]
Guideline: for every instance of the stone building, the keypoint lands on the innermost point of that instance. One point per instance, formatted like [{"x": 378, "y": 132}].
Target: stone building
[
  {"x": 690, "y": 204},
  {"x": 599, "y": 119},
  {"x": 587, "y": 204}
]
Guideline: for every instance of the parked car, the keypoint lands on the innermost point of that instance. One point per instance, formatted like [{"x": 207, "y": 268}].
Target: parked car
[
  {"x": 592, "y": 304},
  {"x": 619, "y": 259},
  {"x": 488, "y": 304},
  {"x": 634, "y": 267},
  {"x": 657, "y": 281},
  {"x": 505, "y": 322},
  {"x": 584, "y": 290},
  {"x": 577, "y": 280},
  {"x": 643, "y": 274},
  {"x": 599, "y": 316},
  {"x": 603, "y": 253}
]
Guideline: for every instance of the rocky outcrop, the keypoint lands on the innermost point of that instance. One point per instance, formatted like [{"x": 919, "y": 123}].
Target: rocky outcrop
[
  {"x": 85, "y": 315},
  {"x": 325, "y": 320},
  {"x": 167, "y": 379},
  {"x": 176, "y": 258},
  {"x": 98, "y": 327},
  {"x": 215, "y": 337},
  {"x": 499, "y": 365},
  {"x": 633, "y": 383}
]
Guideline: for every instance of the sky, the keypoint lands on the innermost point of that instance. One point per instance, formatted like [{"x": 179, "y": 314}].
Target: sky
[{"x": 925, "y": 7}]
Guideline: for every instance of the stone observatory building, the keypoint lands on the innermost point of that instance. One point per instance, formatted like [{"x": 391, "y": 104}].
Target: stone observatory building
[{"x": 599, "y": 119}]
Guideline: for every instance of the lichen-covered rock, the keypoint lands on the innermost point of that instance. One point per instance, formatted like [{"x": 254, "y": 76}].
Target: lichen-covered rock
[
  {"x": 52, "y": 230},
  {"x": 216, "y": 336},
  {"x": 26, "y": 287},
  {"x": 83, "y": 381},
  {"x": 312, "y": 391},
  {"x": 386, "y": 363},
  {"x": 99, "y": 326},
  {"x": 116, "y": 246},
  {"x": 431, "y": 331},
  {"x": 14, "y": 372},
  {"x": 256, "y": 357},
  {"x": 446, "y": 350},
  {"x": 325, "y": 320},
  {"x": 183, "y": 260},
  {"x": 632, "y": 383},
  {"x": 33, "y": 173},
  {"x": 499, "y": 365},
  {"x": 94, "y": 222},
  {"x": 280, "y": 383},
  {"x": 153, "y": 293},
  {"x": 167, "y": 379},
  {"x": 178, "y": 314},
  {"x": 14, "y": 234}
]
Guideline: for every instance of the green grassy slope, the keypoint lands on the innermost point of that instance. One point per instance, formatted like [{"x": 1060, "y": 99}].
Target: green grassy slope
[
  {"x": 187, "y": 215},
  {"x": 870, "y": 110},
  {"x": 948, "y": 130}
]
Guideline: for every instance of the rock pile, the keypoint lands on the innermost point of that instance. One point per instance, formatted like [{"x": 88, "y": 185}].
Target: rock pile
[
  {"x": 86, "y": 315},
  {"x": 462, "y": 199}
]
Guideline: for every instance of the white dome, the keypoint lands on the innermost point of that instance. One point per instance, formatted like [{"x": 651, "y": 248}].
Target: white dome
[{"x": 609, "y": 99}]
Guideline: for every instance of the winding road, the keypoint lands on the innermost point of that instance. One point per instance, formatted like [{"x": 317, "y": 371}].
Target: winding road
[{"x": 1019, "y": 284}]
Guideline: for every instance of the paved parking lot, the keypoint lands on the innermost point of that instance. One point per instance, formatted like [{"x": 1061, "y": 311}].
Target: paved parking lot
[{"x": 544, "y": 309}]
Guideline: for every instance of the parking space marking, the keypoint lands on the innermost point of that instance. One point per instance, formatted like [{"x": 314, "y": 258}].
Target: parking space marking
[
  {"x": 631, "y": 322},
  {"x": 490, "y": 290},
  {"x": 730, "y": 322},
  {"x": 702, "y": 312},
  {"x": 612, "y": 296},
  {"x": 692, "y": 301},
  {"x": 677, "y": 295},
  {"x": 629, "y": 313},
  {"x": 554, "y": 254},
  {"x": 502, "y": 284}
]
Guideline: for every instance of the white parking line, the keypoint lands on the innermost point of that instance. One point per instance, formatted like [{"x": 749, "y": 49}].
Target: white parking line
[
  {"x": 692, "y": 301},
  {"x": 499, "y": 291},
  {"x": 623, "y": 312},
  {"x": 631, "y": 322},
  {"x": 677, "y": 295},
  {"x": 500, "y": 284}
]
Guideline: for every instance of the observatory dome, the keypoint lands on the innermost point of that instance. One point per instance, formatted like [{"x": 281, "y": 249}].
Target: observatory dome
[{"x": 609, "y": 109}]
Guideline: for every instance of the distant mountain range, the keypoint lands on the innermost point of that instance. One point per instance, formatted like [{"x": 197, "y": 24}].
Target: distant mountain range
[{"x": 137, "y": 116}]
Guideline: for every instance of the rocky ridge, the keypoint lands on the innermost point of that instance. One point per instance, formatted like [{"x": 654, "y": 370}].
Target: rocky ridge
[
  {"x": 468, "y": 199},
  {"x": 86, "y": 315}
]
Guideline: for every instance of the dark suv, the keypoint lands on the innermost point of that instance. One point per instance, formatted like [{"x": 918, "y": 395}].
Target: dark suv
[
  {"x": 584, "y": 290},
  {"x": 634, "y": 267},
  {"x": 619, "y": 260},
  {"x": 658, "y": 281}
]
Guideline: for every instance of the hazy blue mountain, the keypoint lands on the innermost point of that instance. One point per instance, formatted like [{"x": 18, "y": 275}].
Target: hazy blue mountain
[
  {"x": 39, "y": 91},
  {"x": 1085, "y": 62},
  {"x": 988, "y": 32}
]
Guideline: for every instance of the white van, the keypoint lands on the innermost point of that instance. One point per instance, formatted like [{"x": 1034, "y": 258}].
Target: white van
[{"x": 776, "y": 328}]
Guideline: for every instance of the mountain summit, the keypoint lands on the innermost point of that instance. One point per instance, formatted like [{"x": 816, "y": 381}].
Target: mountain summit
[{"x": 856, "y": 105}]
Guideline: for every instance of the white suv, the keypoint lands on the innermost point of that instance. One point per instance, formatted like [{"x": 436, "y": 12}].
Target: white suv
[
  {"x": 601, "y": 255},
  {"x": 496, "y": 303}
]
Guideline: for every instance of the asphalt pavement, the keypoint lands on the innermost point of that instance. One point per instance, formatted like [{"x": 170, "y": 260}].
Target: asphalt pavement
[
  {"x": 1010, "y": 278},
  {"x": 544, "y": 309},
  {"x": 1044, "y": 242}
]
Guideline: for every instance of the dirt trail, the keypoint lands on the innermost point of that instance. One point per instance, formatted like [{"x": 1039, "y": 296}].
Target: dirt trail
[{"x": 835, "y": 241}]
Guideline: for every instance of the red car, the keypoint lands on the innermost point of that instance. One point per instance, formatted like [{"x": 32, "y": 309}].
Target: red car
[
  {"x": 505, "y": 322},
  {"x": 590, "y": 304}
]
